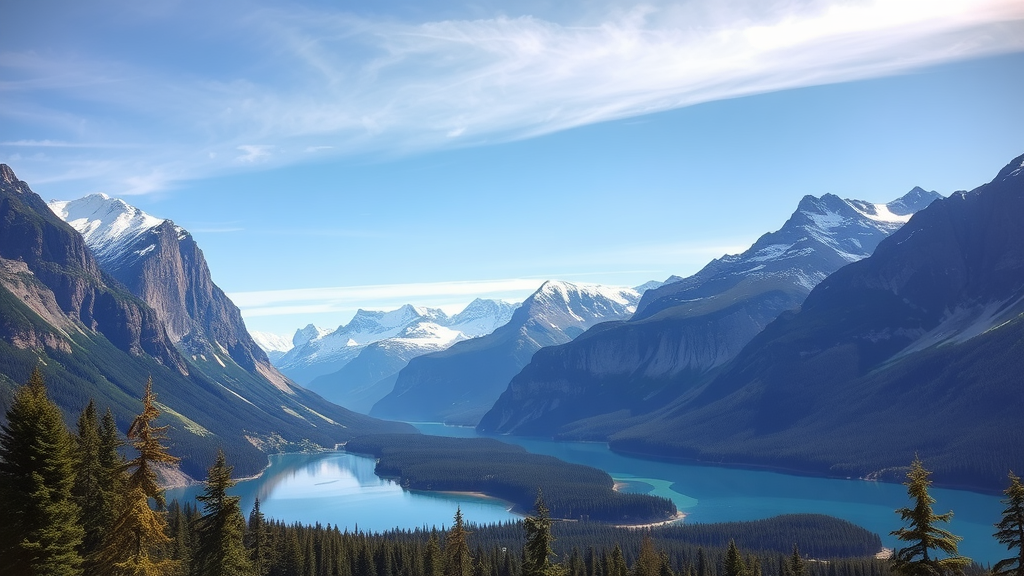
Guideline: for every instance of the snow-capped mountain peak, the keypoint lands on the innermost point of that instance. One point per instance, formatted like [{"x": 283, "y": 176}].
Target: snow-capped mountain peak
[
  {"x": 107, "y": 224},
  {"x": 271, "y": 342},
  {"x": 569, "y": 291},
  {"x": 482, "y": 317},
  {"x": 822, "y": 235},
  {"x": 310, "y": 332},
  {"x": 411, "y": 326}
]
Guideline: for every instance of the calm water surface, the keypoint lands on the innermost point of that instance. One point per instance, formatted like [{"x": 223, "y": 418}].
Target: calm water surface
[{"x": 342, "y": 489}]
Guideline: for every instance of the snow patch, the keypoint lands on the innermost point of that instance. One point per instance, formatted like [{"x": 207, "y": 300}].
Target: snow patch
[{"x": 109, "y": 225}]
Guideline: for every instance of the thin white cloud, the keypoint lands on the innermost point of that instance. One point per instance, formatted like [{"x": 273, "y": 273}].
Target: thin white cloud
[
  {"x": 330, "y": 82},
  {"x": 319, "y": 300},
  {"x": 252, "y": 153},
  {"x": 59, "y": 144}
]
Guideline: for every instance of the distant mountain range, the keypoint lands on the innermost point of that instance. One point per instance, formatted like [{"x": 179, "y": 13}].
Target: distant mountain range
[
  {"x": 132, "y": 298},
  {"x": 318, "y": 352},
  {"x": 458, "y": 385},
  {"x": 371, "y": 375},
  {"x": 689, "y": 327}
]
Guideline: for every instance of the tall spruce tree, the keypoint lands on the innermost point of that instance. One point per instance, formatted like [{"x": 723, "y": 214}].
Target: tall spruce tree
[
  {"x": 89, "y": 479},
  {"x": 734, "y": 565},
  {"x": 257, "y": 541},
  {"x": 1011, "y": 530},
  {"x": 39, "y": 529},
  {"x": 796, "y": 563},
  {"x": 617, "y": 563},
  {"x": 147, "y": 440},
  {"x": 135, "y": 543},
  {"x": 923, "y": 535},
  {"x": 537, "y": 553},
  {"x": 457, "y": 560},
  {"x": 220, "y": 531},
  {"x": 648, "y": 562},
  {"x": 433, "y": 562}
]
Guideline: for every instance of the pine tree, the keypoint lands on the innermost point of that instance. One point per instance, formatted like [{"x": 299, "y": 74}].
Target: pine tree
[
  {"x": 146, "y": 439},
  {"x": 432, "y": 561},
  {"x": 537, "y": 553},
  {"x": 796, "y": 563},
  {"x": 703, "y": 565},
  {"x": 648, "y": 563},
  {"x": 923, "y": 534},
  {"x": 89, "y": 477},
  {"x": 1011, "y": 530},
  {"x": 39, "y": 529},
  {"x": 256, "y": 540},
  {"x": 617, "y": 563},
  {"x": 220, "y": 530},
  {"x": 734, "y": 565},
  {"x": 134, "y": 543},
  {"x": 457, "y": 561}
]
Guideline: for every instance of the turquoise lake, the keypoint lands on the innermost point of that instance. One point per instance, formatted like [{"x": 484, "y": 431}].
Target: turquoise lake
[{"x": 341, "y": 489}]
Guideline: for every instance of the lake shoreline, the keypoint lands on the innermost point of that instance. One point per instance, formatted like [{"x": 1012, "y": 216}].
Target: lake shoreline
[{"x": 778, "y": 469}]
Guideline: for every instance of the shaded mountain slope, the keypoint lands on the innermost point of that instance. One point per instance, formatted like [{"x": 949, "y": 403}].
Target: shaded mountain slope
[
  {"x": 916, "y": 349},
  {"x": 684, "y": 330}
]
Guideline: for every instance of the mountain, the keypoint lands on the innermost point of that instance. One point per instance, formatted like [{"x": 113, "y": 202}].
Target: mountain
[
  {"x": 93, "y": 338},
  {"x": 317, "y": 352},
  {"x": 161, "y": 263},
  {"x": 274, "y": 345},
  {"x": 689, "y": 327},
  {"x": 370, "y": 376},
  {"x": 914, "y": 350},
  {"x": 459, "y": 384}
]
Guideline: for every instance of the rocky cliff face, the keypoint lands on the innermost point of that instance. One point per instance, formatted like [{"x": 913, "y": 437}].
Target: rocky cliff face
[
  {"x": 161, "y": 263},
  {"x": 57, "y": 256},
  {"x": 687, "y": 328}
]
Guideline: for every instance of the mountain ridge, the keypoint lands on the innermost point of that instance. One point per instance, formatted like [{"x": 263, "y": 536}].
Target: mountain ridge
[
  {"x": 887, "y": 351},
  {"x": 685, "y": 329}
]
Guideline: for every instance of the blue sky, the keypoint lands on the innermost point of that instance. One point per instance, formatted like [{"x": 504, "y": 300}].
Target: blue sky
[{"x": 330, "y": 155}]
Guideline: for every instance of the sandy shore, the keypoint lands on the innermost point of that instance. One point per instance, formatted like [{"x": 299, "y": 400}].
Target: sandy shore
[
  {"x": 679, "y": 517},
  {"x": 508, "y": 505}
]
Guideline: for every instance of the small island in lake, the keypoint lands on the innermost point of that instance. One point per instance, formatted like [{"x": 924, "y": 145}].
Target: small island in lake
[{"x": 508, "y": 472}]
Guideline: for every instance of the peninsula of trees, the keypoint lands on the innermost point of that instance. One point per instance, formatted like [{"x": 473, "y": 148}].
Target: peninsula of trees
[{"x": 572, "y": 491}]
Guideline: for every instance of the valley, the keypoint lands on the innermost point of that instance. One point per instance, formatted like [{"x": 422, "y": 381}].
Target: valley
[{"x": 779, "y": 358}]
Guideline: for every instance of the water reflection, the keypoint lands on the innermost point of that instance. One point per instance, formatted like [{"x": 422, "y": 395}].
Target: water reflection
[{"x": 341, "y": 489}]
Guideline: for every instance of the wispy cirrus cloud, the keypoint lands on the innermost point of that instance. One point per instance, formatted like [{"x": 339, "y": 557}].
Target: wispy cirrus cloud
[{"x": 330, "y": 82}]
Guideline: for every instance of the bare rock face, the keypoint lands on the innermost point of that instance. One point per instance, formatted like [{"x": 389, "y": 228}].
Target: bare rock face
[
  {"x": 161, "y": 263},
  {"x": 57, "y": 256}
]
